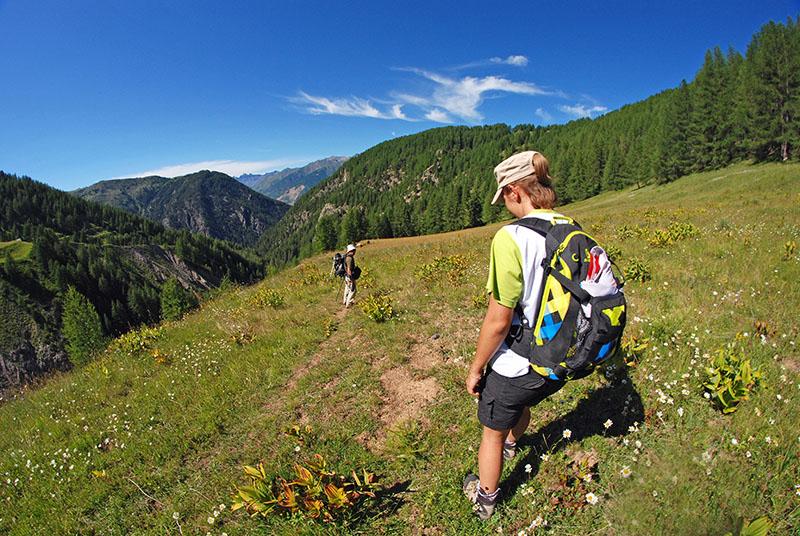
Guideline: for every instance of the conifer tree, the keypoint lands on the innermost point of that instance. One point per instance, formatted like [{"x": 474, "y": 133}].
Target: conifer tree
[
  {"x": 81, "y": 327},
  {"x": 326, "y": 233},
  {"x": 773, "y": 59},
  {"x": 175, "y": 301}
]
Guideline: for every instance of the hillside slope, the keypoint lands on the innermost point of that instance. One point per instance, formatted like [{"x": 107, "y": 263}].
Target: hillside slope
[
  {"x": 50, "y": 240},
  {"x": 151, "y": 441},
  {"x": 206, "y": 202}
]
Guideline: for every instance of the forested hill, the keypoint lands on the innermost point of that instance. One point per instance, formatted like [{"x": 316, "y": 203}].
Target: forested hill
[
  {"x": 736, "y": 108},
  {"x": 50, "y": 240},
  {"x": 206, "y": 202}
]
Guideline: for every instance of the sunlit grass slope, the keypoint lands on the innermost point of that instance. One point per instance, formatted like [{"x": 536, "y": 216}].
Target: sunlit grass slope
[
  {"x": 153, "y": 440},
  {"x": 18, "y": 249}
]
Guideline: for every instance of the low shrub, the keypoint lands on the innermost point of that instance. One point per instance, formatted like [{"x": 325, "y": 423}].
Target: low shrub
[
  {"x": 637, "y": 270},
  {"x": 315, "y": 492},
  {"x": 406, "y": 442},
  {"x": 136, "y": 341},
  {"x": 453, "y": 268},
  {"x": 730, "y": 379},
  {"x": 267, "y": 297},
  {"x": 378, "y": 306},
  {"x": 789, "y": 249}
]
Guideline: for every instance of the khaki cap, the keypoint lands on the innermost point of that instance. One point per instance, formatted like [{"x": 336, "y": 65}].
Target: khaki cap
[{"x": 512, "y": 169}]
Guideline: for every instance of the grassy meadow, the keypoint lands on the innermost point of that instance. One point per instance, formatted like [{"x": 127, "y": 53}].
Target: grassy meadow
[
  {"x": 18, "y": 249},
  {"x": 151, "y": 437}
]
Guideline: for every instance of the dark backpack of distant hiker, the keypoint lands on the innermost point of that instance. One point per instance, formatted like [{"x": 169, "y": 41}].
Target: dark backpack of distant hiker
[
  {"x": 355, "y": 271},
  {"x": 564, "y": 342},
  {"x": 338, "y": 265}
]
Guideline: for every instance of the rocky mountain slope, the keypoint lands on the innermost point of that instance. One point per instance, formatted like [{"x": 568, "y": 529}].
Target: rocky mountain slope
[
  {"x": 289, "y": 184},
  {"x": 206, "y": 202}
]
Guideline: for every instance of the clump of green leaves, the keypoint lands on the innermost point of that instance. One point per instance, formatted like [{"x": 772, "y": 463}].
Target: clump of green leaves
[
  {"x": 315, "y": 492},
  {"x": 480, "y": 300},
  {"x": 308, "y": 275},
  {"x": 789, "y": 249},
  {"x": 613, "y": 252},
  {"x": 632, "y": 348},
  {"x": 406, "y": 442},
  {"x": 267, "y": 297},
  {"x": 624, "y": 232},
  {"x": 330, "y": 327},
  {"x": 675, "y": 232},
  {"x": 730, "y": 378},
  {"x": 136, "y": 341},
  {"x": 378, "y": 306},
  {"x": 757, "y": 527},
  {"x": 452, "y": 268},
  {"x": 682, "y": 230},
  {"x": 637, "y": 270}
]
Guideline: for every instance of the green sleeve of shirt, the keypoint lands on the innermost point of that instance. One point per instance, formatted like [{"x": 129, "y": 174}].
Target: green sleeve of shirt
[{"x": 505, "y": 270}]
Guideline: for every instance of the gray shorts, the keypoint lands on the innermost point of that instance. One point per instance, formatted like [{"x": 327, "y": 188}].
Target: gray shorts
[{"x": 503, "y": 399}]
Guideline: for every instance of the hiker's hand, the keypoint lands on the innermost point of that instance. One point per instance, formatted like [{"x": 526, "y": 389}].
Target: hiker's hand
[{"x": 473, "y": 382}]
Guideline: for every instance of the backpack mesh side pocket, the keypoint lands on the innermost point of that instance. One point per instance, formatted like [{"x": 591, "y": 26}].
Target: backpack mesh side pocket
[{"x": 602, "y": 340}]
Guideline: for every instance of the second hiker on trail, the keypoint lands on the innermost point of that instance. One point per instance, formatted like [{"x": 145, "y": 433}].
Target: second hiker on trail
[
  {"x": 351, "y": 274},
  {"x": 555, "y": 310}
]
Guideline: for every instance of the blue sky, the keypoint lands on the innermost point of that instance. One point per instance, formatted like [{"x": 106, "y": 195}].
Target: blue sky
[{"x": 101, "y": 89}]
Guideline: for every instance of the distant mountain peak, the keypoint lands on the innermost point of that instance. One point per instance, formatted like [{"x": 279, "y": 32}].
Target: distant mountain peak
[
  {"x": 289, "y": 184},
  {"x": 209, "y": 202}
]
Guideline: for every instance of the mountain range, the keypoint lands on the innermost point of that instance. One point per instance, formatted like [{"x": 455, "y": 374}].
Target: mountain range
[
  {"x": 207, "y": 202},
  {"x": 289, "y": 184}
]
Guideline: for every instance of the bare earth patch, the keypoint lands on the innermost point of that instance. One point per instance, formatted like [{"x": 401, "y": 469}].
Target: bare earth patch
[
  {"x": 791, "y": 363},
  {"x": 426, "y": 356},
  {"x": 406, "y": 397}
]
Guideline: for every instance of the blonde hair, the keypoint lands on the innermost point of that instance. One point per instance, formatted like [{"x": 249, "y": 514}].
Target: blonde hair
[{"x": 540, "y": 185}]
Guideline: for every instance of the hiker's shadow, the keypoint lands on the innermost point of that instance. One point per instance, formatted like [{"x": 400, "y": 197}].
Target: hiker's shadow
[{"x": 617, "y": 402}]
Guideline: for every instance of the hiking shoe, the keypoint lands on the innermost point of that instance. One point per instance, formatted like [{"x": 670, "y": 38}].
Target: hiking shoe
[
  {"x": 509, "y": 451},
  {"x": 482, "y": 506}
]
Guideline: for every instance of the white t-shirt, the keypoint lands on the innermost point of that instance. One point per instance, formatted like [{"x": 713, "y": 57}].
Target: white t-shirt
[{"x": 515, "y": 276}]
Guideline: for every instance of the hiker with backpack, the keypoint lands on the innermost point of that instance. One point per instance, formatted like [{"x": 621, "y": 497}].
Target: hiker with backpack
[
  {"x": 555, "y": 311},
  {"x": 345, "y": 266}
]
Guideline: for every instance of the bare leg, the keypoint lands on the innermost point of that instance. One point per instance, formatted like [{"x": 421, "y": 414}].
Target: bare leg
[
  {"x": 516, "y": 432},
  {"x": 490, "y": 458}
]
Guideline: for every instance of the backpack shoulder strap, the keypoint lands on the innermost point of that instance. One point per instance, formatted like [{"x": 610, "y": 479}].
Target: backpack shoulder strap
[{"x": 536, "y": 225}]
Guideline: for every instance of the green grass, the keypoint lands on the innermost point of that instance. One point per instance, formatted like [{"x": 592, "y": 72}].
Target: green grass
[
  {"x": 180, "y": 423},
  {"x": 19, "y": 249}
]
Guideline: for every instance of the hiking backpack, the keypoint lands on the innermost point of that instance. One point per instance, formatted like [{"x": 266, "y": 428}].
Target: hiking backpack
[
  {"x": 338, "y": 265},
  {"x": 564, "y": 343},
  {"x": 339, "y": 269}
]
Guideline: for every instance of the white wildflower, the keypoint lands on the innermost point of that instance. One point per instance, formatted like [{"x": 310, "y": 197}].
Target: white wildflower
[
  {"x": 591, "y": 498},
  {"x": 608, "y": 424},
  {"x": 566, "y": 434}
]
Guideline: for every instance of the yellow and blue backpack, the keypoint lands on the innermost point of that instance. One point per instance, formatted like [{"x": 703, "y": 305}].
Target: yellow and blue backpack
[{"x": 563, "y": 343}]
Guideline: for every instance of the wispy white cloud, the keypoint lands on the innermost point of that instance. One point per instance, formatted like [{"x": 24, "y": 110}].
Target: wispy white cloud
[
  {"x": 461, "y": 97},
  {"x": 515, "y": 60},
  {"x": 229, "y": 167},
  {"x": 543, "y": 114},
  {"x": 353, "y": 106},
  {"x": 438, "y": 116},
  {"x": 582, "y": 110},
  {"x": 448, "y": 99}
]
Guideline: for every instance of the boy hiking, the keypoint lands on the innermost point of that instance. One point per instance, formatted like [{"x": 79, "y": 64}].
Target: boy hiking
[{"x": 539, "y": 329}]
